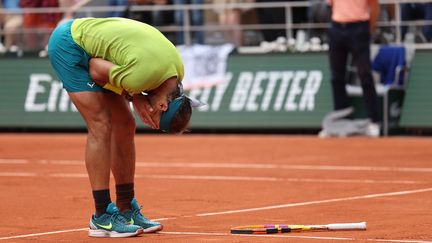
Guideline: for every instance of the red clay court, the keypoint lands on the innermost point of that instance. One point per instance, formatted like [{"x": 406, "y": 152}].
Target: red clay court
[{"x": 199, "y": 186}]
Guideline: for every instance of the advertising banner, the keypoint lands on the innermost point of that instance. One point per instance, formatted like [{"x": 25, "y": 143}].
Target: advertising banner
[{"x": 257, "y": 91}]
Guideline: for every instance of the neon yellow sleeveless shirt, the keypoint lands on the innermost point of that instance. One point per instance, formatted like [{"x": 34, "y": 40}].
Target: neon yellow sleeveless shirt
[{"x": 144, "y": 58}]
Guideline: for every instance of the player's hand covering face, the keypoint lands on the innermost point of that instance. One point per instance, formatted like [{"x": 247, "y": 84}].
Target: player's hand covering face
[{"x": 146, "y": 112}]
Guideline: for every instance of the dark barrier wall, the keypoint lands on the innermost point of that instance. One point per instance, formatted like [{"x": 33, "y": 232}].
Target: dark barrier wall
[
  {"x": 260, "y": 91},
  {"x": 417, "y": 111},
  {"x": 32, "y": 98}
]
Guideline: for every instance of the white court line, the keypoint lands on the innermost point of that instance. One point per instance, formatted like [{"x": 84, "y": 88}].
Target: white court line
[
  {"x": 58, "y": 232},
  {"x": 276, "y": 166},
  {"x": 295, "y": 236},
  {"x": 69, "y": 175},
  {"x": 40, "y": 234},
  {"x": 17, "y": 174},
  {"x": 266, "y": 208},
  {"x": 237, "y": 166},
  {"x": 289, "y": 205},
  {"x": 226, "y": 234},
  {"x": 275, "y": 179},
  {"x": 13, "y": 161},
  {"x": 61, "y": 162},
  {"x": 221, "y": 178}
]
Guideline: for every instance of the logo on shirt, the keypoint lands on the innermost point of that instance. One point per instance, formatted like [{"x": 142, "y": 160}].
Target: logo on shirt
[{"x": 91, "y": 84}]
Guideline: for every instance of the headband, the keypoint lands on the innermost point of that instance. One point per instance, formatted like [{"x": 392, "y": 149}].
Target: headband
[
  {"x": 168, "y": 115},
  {"x": 173, "y": 108}
]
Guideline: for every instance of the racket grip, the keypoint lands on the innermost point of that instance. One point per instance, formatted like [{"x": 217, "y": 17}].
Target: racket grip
[{"x": 347, "y": 226}]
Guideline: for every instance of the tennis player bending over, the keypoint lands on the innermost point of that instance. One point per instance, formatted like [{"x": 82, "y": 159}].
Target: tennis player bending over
[{"x": 104, "y": 63}]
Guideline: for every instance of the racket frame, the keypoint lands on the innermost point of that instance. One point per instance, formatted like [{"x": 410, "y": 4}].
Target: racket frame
[{"x": 286, "y": 228}]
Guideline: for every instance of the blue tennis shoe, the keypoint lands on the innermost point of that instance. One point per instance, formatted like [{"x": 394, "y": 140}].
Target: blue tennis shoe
[
  {"x": 112, "y": 224},
  {"x": 135, "y": 217}
]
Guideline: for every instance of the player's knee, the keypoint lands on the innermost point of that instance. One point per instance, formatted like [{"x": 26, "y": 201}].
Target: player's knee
[
  {"x": 129, "y": 124},
  {"x": 125, "y": 124},
  {"x": 100, "y": 128}
]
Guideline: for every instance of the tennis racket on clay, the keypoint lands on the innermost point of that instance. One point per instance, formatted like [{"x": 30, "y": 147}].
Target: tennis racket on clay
[{"x": 286, "y": 228}]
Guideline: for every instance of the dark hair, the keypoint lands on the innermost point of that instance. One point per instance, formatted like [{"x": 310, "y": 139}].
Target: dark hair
[{"x": 182, "y": 117}]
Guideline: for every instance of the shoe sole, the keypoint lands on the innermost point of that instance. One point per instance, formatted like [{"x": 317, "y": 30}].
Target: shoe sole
[
  {"x": 153, "y": 229},
  {"x": 112, "y": 234}
]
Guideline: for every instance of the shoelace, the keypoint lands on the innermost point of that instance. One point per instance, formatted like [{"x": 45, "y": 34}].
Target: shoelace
[
  {"x": 138, "y": 212},
  {"x": 116, "y": 217}
]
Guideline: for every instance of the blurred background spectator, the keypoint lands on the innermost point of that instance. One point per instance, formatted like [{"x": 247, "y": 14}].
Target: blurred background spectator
[
  {"x": 271, "y": 16},
  {"x": 72, "y": 6},
  {"x": 319, "y": 12},
  {"x": 116, "y": 3},
  {"x": 231, "y": 20},
  {"x": 38, "y": 26},
  {"x": 10, "y": 23},
  {"x": 155, "y": 18},
  {"x": 277, "y": 16},
  {"x": 385, "y": 34},
  {"x": 196, "y": 19},
  {"x": 417, "y": 11}
]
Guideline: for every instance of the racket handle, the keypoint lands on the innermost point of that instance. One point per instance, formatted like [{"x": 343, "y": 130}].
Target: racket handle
[{"x": 347, "y": 226}]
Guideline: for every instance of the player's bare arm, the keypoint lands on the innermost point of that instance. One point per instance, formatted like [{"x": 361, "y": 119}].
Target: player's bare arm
[
  {"x": 99, "y": 72},
  {"x": 374, "y": 14}
]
